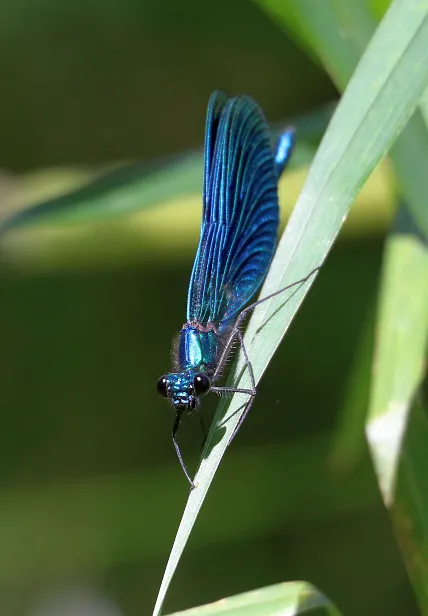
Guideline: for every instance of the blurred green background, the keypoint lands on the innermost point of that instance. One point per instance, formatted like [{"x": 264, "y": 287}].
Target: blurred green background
[{"x": 91, "y": 491}]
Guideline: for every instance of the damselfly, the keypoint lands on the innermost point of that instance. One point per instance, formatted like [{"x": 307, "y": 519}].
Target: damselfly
[{"x": 239, "y": 227}]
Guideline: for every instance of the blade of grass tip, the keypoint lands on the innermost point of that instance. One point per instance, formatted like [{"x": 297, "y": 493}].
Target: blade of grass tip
[
  {"x": 291, "y": 598},
  {"x": 401, "y": 338},
  {"x": 396, "y": 428},
  {"x": 410, "y": 508},
  {"x": 376, "y": 105}
]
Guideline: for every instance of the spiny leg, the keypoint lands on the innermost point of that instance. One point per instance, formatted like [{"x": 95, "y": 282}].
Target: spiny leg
[
  {"x": 253, "y": 384},
  {"x": 242, "y": 418},
  {"x": 236, "y": 390},
  {"x": 251, "y": 307},
  {"x": 236, "y": 332},
  {"x": 242, "y": 315},
  {"x": 250, "y": 392},
  {"x": 177, "y": 449}
]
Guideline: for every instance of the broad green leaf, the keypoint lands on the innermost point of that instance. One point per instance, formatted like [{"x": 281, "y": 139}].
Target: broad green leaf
[
  {"x": 377, "y": 104},
  {"x": 397, "y": 428},
  {"x": 291, "y": 599}
]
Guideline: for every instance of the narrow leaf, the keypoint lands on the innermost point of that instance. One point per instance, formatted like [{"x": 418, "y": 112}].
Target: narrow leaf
[
  {"x": 397, "y": 428},
  {"x": 292, "y": 598},
  {"x": 378, "y": 102}
]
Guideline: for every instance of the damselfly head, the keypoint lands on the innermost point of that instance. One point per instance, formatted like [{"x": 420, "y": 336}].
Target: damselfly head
[{"x": 183, "y": 388}]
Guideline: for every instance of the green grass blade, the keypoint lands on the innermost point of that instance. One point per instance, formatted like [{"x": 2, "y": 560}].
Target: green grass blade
[
  {"x": 410, "y": 156},
  {"x": 291, "y": 599},
  {"x": 129, "y": 188},
  {"x": 377, "y": 104},
  {"x": 168, "y": 230},
  {"x": 397, "y": 429},
  {"x": 125, "y": 189},
  {"x": 338, "y": 31},
  {"x": 339, "y": 41}
]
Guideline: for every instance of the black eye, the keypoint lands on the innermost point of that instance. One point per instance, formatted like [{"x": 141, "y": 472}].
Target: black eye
[
  {"x": 201, "y": 383},
  {"x": 162, "y": 386}
]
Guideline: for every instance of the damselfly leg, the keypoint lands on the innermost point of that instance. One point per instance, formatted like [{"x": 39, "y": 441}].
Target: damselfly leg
[{"x": 236, "y": 333}]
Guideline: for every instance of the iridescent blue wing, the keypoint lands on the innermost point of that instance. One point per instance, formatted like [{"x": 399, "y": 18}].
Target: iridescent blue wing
[{"x": 240, "y": 210}]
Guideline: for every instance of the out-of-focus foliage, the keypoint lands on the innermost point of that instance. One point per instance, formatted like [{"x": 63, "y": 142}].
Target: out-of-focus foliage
[{"x": 92, "y": 293}]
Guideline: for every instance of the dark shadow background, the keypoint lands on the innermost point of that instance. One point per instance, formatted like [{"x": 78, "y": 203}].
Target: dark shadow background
[
  {"x": 91, "y": 492},
  {"x": 91, "y": 81}
]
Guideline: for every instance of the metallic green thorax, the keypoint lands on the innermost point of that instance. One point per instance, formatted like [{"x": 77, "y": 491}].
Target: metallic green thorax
[{"x": 198, "y": 350}]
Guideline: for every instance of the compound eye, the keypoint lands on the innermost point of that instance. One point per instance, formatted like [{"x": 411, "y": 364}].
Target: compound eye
[
  {"x": 162, "y": 386},
  {"x": 201, "y": 383}
]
